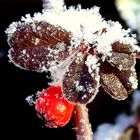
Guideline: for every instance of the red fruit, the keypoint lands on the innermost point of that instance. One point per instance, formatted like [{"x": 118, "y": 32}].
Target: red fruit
[{"x": 56, "y": 110}]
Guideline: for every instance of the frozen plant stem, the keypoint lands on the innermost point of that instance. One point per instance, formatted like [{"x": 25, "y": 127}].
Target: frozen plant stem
[{"x": 81, "y": 120}]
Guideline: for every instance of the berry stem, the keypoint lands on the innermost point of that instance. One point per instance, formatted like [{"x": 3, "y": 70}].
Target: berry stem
[{"x": 83, "y": 126}]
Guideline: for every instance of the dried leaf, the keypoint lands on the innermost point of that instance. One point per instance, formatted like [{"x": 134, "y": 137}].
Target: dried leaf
[
  {"x": 128, "y": 79},
  {"x": 121, "y": 48},
  {"x": 39, "y": 45},
  {"x": 38, "y": 34},
  {"x": 111, "y": 83},
  {"x": 122, "y": 61},
  {"x": 113, "y": 86},
  {"x": 78, "y": 84}
]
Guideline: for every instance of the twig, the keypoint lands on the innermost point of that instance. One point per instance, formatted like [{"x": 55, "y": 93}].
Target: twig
[{"x": 83, "y": 126}]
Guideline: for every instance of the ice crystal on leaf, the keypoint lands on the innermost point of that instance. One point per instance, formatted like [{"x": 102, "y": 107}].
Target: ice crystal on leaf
[{"x": 77, "y": 46}]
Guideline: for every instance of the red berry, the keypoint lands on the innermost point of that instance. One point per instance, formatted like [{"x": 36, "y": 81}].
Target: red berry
[{"x": 56, "y": 110}]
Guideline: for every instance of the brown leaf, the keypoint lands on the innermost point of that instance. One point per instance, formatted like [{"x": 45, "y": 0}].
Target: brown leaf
[
  {"x": 122, "y": 61},
  {"x": 128, "y": 79},
  {"x": 111, "y": 83},
  {"x": 38, "y": 45},
  {"x": 113, "y": 86},
  {"x": 121, "y": 48},
  {"x": 38, "y": 34},
  {"x": 78, "y": 84}
]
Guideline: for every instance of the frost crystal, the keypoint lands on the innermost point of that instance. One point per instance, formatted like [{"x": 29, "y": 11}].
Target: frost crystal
[
  {"x": 91, "y": 63},
  {"x": 77, "y": 46},
  {"x": 86, "y": 23},
  {"x": 30, "y": 100},
  {"x": 12, "y": 28}
]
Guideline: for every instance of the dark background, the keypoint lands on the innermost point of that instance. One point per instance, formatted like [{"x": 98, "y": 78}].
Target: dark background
[{"x": 17, "y": 84}]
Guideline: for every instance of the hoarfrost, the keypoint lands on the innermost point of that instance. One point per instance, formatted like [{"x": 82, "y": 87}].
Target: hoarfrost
[{"x": 30, "y": 100}]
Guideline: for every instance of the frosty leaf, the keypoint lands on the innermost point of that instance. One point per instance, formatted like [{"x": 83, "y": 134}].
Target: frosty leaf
[
  {"x": 43, "y": 42},
  {"x": 38, "y": 34},
  {"x": 121, "y": 48},
  {"x": 118, "y": 83},
  {"x": 128, "y": 79},
  {"x": 38, "y": 45},
  {"x": 122, "y": 61},
  {"x": 78, "y": 84},
  {"x": 113, "y": 86},
  {"x": 37, "y": 58},
  {"x": 111, "y": 83}
]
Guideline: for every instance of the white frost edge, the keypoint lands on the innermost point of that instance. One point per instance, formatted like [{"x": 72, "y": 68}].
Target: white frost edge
[
  {"x": 92, "y": 63},
  {"x": 83, "y": 23},
  {"x": 133, "y": 78}
]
